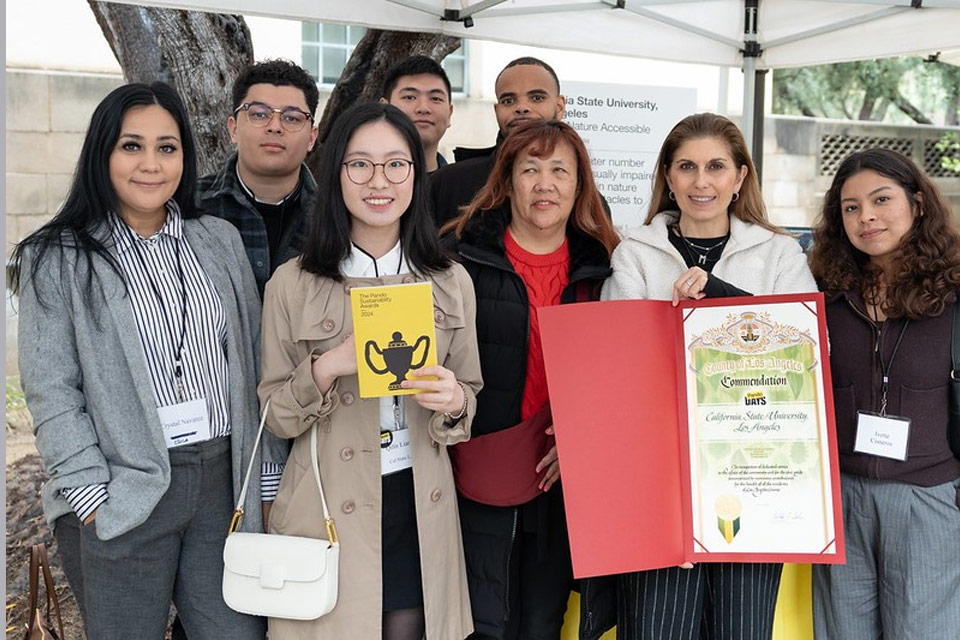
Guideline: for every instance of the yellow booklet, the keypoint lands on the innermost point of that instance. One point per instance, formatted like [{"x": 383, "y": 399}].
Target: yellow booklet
[{"x": 393, "y": 332}]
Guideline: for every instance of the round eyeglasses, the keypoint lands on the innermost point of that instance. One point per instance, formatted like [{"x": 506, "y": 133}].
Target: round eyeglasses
[
  {"x": 396, "y": 170},
  {"x": 260, "y": 115}
]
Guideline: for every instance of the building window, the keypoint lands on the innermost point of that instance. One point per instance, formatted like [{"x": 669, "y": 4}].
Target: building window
[{"x": 327, "y": 47}]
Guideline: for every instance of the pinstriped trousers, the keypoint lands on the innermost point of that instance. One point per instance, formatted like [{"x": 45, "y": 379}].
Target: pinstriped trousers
[
  {"x": 902, "y": 576},
  {"x": 712, "y": 601}
]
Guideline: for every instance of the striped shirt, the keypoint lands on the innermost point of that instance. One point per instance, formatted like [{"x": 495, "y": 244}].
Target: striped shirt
[{"x": 152, "y": 269}]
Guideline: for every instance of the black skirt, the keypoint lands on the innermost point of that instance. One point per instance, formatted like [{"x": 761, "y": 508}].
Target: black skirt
[{"x": 402, "y": 583}]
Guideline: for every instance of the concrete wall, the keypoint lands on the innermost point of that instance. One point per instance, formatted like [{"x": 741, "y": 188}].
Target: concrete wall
[
  {"x": 47, "y": 115},
  {"x": 794, "y": 179}
]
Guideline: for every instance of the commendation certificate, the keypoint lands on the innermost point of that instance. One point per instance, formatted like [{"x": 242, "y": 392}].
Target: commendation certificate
[
  {"x": 757, "y": 430},
  {"x": 702, "y": 432}
]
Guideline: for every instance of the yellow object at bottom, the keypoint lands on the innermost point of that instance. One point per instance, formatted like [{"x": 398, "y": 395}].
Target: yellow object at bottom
[{"x": 792, "y": 621}]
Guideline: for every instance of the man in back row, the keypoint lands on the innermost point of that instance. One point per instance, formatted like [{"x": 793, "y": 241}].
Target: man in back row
[
  {"x": 527, "y": 89},
  {"x": 420, "y": 88}
]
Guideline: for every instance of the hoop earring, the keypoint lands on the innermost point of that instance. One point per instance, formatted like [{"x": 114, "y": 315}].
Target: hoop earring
[
  {"x": 672, "y": 196},
  {"x": 735, "y": 197}
]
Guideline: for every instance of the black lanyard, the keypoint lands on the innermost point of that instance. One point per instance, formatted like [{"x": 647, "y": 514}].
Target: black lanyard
[
  {"x": 886, "y": 366},
  {"x": 178, "y": 344}
]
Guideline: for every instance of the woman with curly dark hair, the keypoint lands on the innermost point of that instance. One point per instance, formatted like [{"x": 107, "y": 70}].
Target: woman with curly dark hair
[{"x": 889, "y": 258}]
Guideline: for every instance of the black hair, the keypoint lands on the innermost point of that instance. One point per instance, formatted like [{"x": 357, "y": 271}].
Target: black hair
[
  {"x": 413, "y": 66},
  {"x": 280, "y": 73},
  {"x": 79, "y": 223},
  {"x": 530, "y": 60},
  {"x": 328, "y": 236}
]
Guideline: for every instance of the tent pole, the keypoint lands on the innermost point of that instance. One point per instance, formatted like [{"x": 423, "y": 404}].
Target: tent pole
[
  {"x": 751, "y": 51},
  {"x": 759, "y": 98},
  {"x": 749, "y": 100}
]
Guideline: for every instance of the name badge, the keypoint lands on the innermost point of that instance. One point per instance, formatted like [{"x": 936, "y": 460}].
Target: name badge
[
  {"x": 185, "y": 422},
  {"x": 395, "y": 454},
  {"x": 884, "y": 436}
]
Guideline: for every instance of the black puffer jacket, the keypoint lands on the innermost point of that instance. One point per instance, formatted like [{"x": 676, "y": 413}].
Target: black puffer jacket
[{"x": 503, "y": 326}]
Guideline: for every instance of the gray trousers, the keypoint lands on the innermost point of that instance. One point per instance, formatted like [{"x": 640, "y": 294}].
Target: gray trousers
[
  {"x": 176, "y": 554},
  {"x": 902, "y": 575}
]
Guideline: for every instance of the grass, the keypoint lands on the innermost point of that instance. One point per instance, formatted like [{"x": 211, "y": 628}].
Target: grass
[{"x": 15, "y": 398}]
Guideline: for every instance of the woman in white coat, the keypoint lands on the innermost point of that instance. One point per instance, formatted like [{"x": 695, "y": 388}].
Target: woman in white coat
[{"x": 707, "y": 235}]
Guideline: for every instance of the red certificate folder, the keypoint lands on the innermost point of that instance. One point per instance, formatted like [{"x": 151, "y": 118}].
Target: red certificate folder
[{"x": 618, "y": 392}]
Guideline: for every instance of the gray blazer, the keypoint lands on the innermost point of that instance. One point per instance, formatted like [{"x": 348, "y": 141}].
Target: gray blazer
[{"x": 86, "y": 382}]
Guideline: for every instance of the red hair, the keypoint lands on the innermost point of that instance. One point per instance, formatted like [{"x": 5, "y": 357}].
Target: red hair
[{"x": 539, "y": 139}]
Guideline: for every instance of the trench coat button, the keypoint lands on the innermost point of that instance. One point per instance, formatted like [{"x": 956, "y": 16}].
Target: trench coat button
[
  {"x": 346, "y": 454},
  {"x": 347, "y": 398},
  {"x": 327, "y": 324},
  {"x": 407, "y": 279},
  {"x": 438, "y": 316},
  {"x": 435, "y": 495},
  {"x": 348, "y": 506},
  {"x": 434, "y": 444},
  {"x": 346, "y": 288}
]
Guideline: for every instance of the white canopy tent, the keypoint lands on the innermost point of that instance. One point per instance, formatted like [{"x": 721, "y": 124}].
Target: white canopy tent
[{"x": 751, "y": 34}]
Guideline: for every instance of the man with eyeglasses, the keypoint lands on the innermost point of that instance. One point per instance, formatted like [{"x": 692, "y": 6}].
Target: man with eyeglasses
[{"x": 265, "y": 189}]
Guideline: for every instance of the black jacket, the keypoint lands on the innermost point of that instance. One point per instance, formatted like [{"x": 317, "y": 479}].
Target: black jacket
[
  {"x": 221, "y": 195},
  {"x": 454, "y": 185},
  {"x": 503, "y": 326}
]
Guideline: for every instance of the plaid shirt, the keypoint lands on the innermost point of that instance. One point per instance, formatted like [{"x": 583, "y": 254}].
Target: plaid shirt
[{"x": 220, "y": 194}]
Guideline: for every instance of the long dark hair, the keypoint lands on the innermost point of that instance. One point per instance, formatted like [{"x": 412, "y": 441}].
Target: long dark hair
[
  {"x": 927, "y": 273},
  {"x": 749, "y": 206},
  {"x": 328, "y": 235},
  {"x": 79, "y": 224},
  {"x": 540, "y": 138}
]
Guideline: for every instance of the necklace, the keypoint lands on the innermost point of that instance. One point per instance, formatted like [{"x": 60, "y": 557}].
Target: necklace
[{"x": 702, "y": 252}]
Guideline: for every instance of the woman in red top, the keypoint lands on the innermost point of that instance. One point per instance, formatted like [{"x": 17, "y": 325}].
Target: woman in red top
[{"x": 536, "y": 235}]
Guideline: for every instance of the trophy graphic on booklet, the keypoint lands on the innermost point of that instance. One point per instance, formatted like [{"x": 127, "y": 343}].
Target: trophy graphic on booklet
[{"x": 397, "y": 357}]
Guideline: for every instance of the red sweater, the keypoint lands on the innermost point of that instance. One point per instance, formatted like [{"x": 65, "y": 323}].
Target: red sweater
[{"x": 545, "y": 276}]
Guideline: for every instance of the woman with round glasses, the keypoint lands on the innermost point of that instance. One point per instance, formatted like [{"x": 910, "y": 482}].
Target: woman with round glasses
[
  {"x": 139, "y": 316},
  {"x": 401, "y": 566}
]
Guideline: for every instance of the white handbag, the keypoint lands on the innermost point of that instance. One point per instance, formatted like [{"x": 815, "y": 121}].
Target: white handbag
[{"x": 281, "y": 576}]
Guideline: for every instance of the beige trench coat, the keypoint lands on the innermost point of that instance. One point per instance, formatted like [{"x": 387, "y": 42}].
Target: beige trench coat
[{"x": 305, "y": 315}]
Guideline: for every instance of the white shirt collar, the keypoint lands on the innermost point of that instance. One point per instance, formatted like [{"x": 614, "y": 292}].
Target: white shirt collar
[{"x": 360, "y": 264}]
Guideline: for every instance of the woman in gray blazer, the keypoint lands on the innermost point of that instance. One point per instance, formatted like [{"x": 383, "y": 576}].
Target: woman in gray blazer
[{"x": 139, "y": 323}]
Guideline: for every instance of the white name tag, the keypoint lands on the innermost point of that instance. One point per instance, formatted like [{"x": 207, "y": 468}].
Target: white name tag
[
  {"x": 185, "y": 423},
  {"x": 395, "y": 454},
  {"x": 884, "y": 436}
]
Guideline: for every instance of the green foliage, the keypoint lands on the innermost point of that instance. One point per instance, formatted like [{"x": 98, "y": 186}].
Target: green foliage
[
  {"x": 949, "y": 145},
  {"x": 15, "y": 398},
  {"x": 884, "y": 90}
]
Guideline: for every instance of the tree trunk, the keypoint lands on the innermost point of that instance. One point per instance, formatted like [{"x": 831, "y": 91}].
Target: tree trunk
[
  {"x": 907, "y": 107},
  {"x": 362, "y": 78},
  {"x": 867, "y": 106},
  {"x": 200, "y": 54}
]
